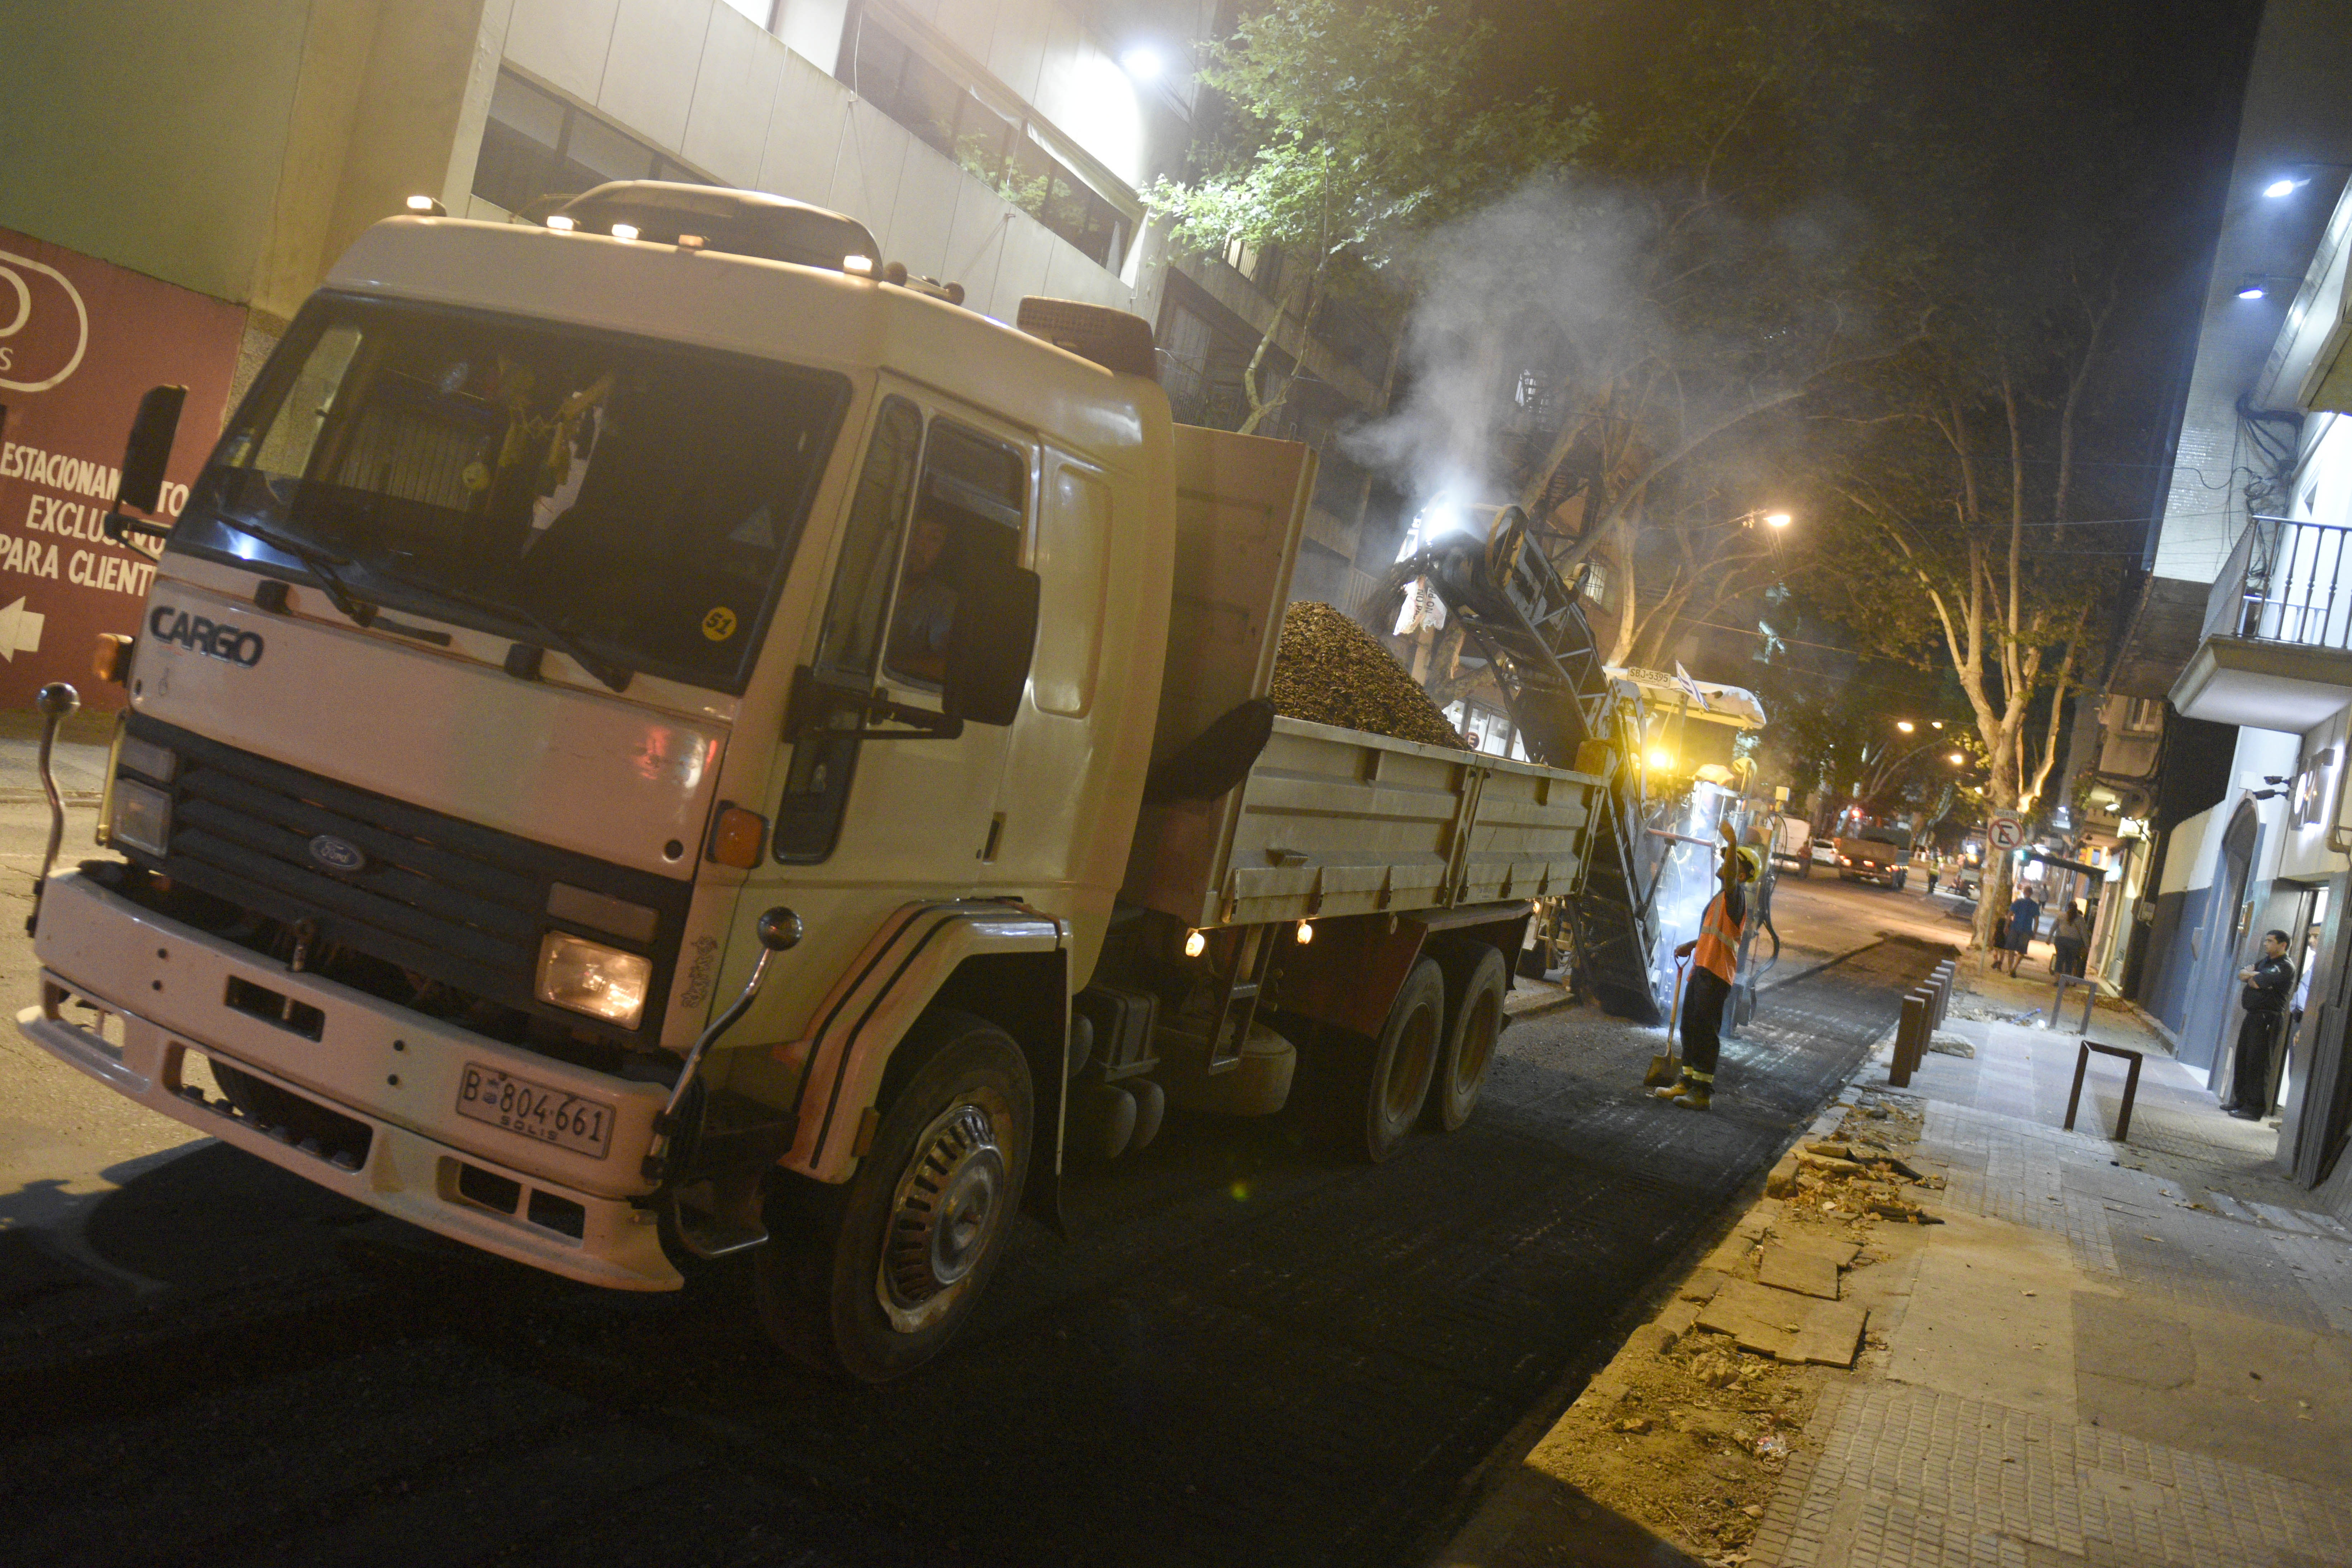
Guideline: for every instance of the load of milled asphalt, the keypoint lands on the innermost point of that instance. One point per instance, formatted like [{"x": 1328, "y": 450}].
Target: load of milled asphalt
[{"x": 1329, "y": 670}]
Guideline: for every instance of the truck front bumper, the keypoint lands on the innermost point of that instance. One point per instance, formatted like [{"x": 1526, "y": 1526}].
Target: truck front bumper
[{"x": 392, "y": 1072}]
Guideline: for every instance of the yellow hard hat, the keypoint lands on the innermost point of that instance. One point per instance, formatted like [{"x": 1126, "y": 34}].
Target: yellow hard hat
[{"x": 1754, "y": 860}]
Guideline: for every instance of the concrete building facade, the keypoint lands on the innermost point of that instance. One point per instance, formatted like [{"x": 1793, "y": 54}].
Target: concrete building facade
[
  {"x": 2241, "y": 629},
  {"x": 220, "y": 157}
]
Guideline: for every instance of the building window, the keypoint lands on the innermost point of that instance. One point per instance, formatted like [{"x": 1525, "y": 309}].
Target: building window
[
  {"x": 1201, "y": 369},
  {"x": 1003, "y": 151},
  {"x": 536, "y": 146},
  {"x": 1184, "y": 346},
  {"x": 2143, "y": 716}
]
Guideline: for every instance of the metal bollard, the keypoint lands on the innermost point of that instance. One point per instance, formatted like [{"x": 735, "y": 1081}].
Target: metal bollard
[
  {"x": 1946, "y": 976},
  {"x": 1910, "y": 1038}
]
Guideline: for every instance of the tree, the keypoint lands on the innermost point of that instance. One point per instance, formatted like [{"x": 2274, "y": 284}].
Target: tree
[
  {"x": 1963, "y": 529},
  {"x": 1622, "y": 347},
  {"x": 1352, "y": 129}
]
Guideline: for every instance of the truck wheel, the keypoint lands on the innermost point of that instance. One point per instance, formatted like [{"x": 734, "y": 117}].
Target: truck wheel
[
  {"x": 1381, "y": 1097},
  {"x": 1900, "y": 877},
  {"x": 1474, "y": 993},
  {"x": 874, "y": 1278}
]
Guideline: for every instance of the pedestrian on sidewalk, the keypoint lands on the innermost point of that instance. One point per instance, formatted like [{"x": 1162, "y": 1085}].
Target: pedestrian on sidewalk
[
  {"x": 2024, "y": 919},
  {"x": 2072, "y": 941},
  {"x": 1714, "y": 965},
  {"x": 1934, "y": 870},
  {"x": 2268, "y": 981}
]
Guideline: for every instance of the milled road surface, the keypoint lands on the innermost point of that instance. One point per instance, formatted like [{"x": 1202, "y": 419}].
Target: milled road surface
[{"x": 1250, "y": 1353}]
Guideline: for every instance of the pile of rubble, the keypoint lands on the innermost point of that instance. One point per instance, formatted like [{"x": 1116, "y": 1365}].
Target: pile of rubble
[
  {"x": 1855, "y": 1173},
  {"x": 1329, "y": 670}
]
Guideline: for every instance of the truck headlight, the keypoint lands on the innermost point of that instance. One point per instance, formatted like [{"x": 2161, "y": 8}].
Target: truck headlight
[
  {"x": 589, "y": 978},
  {"x": 142, "y": 817}
]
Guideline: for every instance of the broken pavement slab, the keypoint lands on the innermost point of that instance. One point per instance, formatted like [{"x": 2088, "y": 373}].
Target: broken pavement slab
[
  {"x": 1806, "y": 1270},
  {"x": 1788, "y": 1327}
]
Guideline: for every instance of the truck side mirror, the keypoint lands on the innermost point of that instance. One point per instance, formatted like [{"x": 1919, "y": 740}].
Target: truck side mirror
[
  {"x": 989, "y": 643},
  {"x": 150, "y": 447}
]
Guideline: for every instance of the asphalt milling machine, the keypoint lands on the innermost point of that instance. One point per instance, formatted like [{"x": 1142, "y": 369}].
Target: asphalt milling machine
[{"x": 1650, "y": 868}]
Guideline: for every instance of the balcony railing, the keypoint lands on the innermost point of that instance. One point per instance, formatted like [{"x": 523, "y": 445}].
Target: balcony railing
[{"x": 2285, "y": 582}]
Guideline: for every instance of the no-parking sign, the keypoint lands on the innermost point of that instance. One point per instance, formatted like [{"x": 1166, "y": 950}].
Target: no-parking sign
[{"x": 2004, "y": 830}]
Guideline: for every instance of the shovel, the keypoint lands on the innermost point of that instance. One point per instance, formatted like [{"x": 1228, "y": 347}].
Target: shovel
[{"x": 1663, "y": 1068}]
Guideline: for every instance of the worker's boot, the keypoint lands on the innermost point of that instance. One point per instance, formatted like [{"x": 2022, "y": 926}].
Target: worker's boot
[
  {"x": 1664, "y": 1069},
  {"x": 1692, "y": 1093}
]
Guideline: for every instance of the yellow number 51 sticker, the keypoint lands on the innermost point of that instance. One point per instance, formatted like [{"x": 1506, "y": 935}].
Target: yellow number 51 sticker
[{"x": 720, "y": 624}]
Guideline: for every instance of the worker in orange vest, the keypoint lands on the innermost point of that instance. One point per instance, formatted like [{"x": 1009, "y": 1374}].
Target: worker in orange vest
[{"x": 1714, "y": 966}]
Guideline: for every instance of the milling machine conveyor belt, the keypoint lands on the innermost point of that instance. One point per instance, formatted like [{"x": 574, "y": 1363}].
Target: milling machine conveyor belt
[{"x": 1528, "y": 622}]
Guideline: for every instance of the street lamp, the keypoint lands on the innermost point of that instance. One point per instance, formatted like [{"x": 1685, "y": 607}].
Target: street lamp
[
  {"x": 1906, "y": 726},
  {"x": 2287, "y": 185},
  {"x": 1956, "y": 758},
  {"x": 1776, "y": 520}
]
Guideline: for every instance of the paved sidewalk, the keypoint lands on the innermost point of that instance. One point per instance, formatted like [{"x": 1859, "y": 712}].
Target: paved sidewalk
[{"x": 2105, "y": 1353}]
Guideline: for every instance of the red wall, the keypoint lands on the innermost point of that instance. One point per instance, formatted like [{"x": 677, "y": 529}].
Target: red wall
[{"x": 79, "y": 341}]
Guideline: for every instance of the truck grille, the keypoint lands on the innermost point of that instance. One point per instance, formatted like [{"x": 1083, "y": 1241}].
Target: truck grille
[{"x": 450, "y": 900}]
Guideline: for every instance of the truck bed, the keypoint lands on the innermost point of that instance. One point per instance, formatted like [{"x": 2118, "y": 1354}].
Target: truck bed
[
  {"x": 1335, "y": 821},
  {"x": 1330, "y": 821}
]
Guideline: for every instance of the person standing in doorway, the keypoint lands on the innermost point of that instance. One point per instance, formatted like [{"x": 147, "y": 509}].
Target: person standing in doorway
[
  {"x": 2269, "y": 981},
  {"x": 1714, "y": 965}
]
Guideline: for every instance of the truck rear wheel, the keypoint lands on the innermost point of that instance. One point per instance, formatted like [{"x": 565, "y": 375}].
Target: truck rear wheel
[
  {"x": 1475, "y": 986},
  {"x": 1381, "y": 1096},
  {"x": 875, "y": 1277}
]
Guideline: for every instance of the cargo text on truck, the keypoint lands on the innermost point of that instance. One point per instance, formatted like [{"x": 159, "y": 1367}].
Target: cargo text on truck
[{"x": 656, "y": 735}]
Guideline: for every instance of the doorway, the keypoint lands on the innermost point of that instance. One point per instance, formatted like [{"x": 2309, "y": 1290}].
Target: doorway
[{"x": 2213, "y": 995}]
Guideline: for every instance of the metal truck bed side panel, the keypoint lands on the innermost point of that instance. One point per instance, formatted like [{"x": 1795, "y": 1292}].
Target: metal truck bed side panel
[
  {"x": 1528, "y": 833},
  {"x": 1335, "y": 821}
]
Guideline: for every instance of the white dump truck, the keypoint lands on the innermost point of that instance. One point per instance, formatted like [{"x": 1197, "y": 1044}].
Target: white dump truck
[{"x": 656, "y": 735}]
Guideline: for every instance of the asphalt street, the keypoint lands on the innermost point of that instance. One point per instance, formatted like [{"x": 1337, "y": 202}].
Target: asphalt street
[{"x": 1249, "y": 1352}]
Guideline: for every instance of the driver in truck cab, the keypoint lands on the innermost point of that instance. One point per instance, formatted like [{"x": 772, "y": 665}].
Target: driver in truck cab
[{"x": 927, "y": 601}]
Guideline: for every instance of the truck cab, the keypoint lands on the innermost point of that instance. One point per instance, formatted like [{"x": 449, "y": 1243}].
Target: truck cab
[{"x": 560, "y": 603}]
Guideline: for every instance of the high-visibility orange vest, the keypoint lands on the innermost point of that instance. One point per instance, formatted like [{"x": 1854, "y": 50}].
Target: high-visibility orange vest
[{"x": 1718, "y": 941}]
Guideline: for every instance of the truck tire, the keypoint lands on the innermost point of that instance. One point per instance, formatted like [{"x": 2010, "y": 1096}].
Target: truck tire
[
  {"x": 873, "y": 1278},
  {"x": 1475, "y": 985},
  {"x": 1898, "y": 880},
  {"x": 1380, "y": 1096}
]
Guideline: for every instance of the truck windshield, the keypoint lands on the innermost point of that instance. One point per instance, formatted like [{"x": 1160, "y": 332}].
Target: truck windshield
[{"x": 640, "y": 501}]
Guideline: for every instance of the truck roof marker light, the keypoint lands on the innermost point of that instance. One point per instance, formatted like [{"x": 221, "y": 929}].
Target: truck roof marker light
[
  {"x": 1195, "y": 944},
  {"x": 863, "y": 266},
  {"x": 1305, "y": 932},
  {"x": 425, "y": 206},
  {"x": 691, "y": 241},
  {"x": 561, "y": 222},
  {"x": 624, "y": 231}
]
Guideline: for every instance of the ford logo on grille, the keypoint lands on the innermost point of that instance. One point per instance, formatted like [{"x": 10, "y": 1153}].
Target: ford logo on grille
[{"x": 338, "y": 855}]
